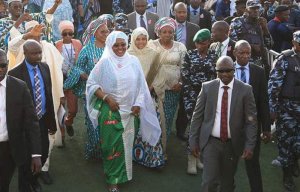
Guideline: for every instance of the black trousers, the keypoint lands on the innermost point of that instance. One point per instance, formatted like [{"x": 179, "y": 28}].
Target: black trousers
[
  {"x": 181, "y": 121},
  {"x": 26, "y": 178},
  {"x": 253, "y": 169},
  {"x": 7, "y": 166}
]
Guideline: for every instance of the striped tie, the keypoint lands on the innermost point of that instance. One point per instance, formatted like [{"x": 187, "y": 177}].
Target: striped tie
[
  {"x": 38, "y": 95},
  {"x": 224, "y": 115},
  {"x": 179, "y": 32},
  {"x": 142, "y": 22},
  {"x": 243, "y": 74}
]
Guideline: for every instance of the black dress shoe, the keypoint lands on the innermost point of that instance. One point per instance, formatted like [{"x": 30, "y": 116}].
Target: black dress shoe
[
  {"x": 36, "y": 186},
  {"x": 70, "y": 130},
  {"x": 46, "y": 178}
]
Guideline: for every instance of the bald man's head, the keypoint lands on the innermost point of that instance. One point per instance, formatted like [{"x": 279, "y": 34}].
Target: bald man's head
[
  {"x": 140, "y": 6},
  {"x": 33, "y": 52},
  {"x": 220, "y": 31},
  {"x": 180, "y": 11},
  {"x": 225, "y": 69},
  {"x": 242, "y": 52}
]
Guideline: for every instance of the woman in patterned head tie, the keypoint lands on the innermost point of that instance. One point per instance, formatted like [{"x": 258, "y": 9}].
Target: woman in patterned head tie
[
  {"x": 167, "y": 84},
  {"x": 94, "y": 42}
]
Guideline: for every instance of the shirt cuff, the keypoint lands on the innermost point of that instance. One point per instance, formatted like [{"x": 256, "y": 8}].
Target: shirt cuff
[{"x": 36, "y": 155}]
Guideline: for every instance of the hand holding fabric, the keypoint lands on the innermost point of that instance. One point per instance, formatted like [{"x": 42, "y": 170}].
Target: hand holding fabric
[{"x": 36, "y": 165}]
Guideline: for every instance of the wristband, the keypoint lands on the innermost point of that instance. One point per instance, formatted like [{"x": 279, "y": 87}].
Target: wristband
[{"x": 105, "y": 96}]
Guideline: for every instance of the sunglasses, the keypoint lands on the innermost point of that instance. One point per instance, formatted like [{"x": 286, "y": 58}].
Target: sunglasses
[
  {"x": 65, "y": 34},
  {"x": 3, "y": 65},
  {"x": 224, "y": 70}
]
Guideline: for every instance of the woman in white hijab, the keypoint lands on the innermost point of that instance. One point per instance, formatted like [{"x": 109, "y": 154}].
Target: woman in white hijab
[
  {"x": 119, "y": 102},
  {"x": 143, "y": 153}
]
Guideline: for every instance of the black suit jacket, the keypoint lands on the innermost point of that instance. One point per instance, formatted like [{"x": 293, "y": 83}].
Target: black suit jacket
[
  {"x": 205, "y": 18},
  {"x": 22, "y": 73},
  {"x": 257, "y": 80},
  {"x": 22, "y": 123},
  {"x": 191, "y": 30},
  {"x": 214, "y": 46}
]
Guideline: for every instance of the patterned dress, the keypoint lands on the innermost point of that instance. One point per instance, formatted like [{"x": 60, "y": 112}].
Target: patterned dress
[
  {"x": 195, "y": 71},
  {"x": 88, "y": 57},
  {"x": 168, "y": 75},
  {"x": 6, "y": 24}
]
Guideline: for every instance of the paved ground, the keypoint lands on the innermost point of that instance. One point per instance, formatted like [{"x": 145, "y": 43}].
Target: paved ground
[{"x": 72, "y": 173}]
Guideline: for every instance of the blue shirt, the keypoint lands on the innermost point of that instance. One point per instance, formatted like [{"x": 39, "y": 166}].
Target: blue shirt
[
  {"x": 30, "y": 69},
  {"x": 238, "y": 72}
]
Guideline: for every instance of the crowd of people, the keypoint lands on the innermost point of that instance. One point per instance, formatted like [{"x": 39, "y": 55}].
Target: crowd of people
[{"x": 142, "y": 67}]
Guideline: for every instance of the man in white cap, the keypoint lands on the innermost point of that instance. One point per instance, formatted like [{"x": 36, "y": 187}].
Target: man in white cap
[
  {"x": 54, "y": 59},
  {"x": 14, "y": 25}
]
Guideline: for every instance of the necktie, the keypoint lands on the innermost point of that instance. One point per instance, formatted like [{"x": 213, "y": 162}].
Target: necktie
[
  {"x": 38, "y": 95},
  {"x": 219, "y": 51},
  {"x": 243, "y": 74},
  {"x": 142, "y": 22},
  {"x": 224, "y": 115},
  {"x": 179, "y": 32},
  {"x": 195, "y": 12}
]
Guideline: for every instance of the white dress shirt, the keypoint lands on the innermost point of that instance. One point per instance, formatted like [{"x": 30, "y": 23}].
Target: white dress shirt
[
  {"x": 225, "y": 47},
  {"x": 138, "y": 19},
  {"x": 238, "y": 72},
  {"x": 217, "y": 125},
  {"x": 3, "y": 124}
]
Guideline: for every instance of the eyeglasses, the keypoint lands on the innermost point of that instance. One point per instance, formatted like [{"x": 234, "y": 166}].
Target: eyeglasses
[
  {"x": 69, "y": 33},
  {"x": 224, "y": 70},
  {"x": 3, "y": 65}
]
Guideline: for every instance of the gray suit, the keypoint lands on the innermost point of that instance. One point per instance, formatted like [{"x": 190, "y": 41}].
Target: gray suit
[
  {"x": 243, "y": 129},
  {"x": 151, "y": 20}
]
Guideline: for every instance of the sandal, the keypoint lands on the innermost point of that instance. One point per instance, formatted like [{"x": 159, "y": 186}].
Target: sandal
[{"x": 113, "y": 188}]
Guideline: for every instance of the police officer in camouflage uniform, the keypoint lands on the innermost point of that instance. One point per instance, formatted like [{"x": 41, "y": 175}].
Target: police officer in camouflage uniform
[
  {"x": 253, "y": 28},
  {"x": 284, "y": 98}
]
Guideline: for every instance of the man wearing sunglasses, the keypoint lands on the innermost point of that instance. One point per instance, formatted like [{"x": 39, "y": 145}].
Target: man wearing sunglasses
[
  {"x": 223, "y": 127},
  {"x": 19, "y": 128},
  {"x": 284, "y": 96}
]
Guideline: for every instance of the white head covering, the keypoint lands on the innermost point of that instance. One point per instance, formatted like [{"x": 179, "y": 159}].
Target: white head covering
[
  {"x": 138, "y": 31},
  {"x": 9, "y": 1},
  {"x": 109, "y": 43},
  {"x": 30, "y": 24}
]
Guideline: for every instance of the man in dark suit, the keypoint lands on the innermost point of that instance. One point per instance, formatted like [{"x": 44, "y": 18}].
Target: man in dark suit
[
  {"x": 185, "y": 31},
  {"x": 223, "y": 45},
  {"x": 19, "y": 129},
  {"x": 223, "y": 127},
  {"x": 142, "y": 18},
  {"x": 37, "y": 77},
  {"x": 254, "y": 76},
  {"x": 198, "y": 15}
]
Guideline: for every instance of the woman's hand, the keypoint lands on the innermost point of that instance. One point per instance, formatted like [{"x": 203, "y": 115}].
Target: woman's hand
[
  {"x": 176, "y": 87},
  {"x": 84, "y": 76},
  {"x": 113, "y": 105},
  {"x": 135, "y": 111}
]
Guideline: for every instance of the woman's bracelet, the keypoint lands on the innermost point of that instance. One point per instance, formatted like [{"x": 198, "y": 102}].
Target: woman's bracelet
[{"x": 105, "y": 96}]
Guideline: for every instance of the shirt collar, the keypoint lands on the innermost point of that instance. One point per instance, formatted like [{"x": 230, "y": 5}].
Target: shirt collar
[
  {"x": 192, "y": 9},
  {"x": 3, "y": 82},
  {"x": 138, "y": 15},
  {"x": 29, "y": 66},
  {"x": 184, "y": 23},
  {"x": 237, "y": 66},
  {"x": 224, "y": 43},
  {"x": 230, "y": 85}
]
